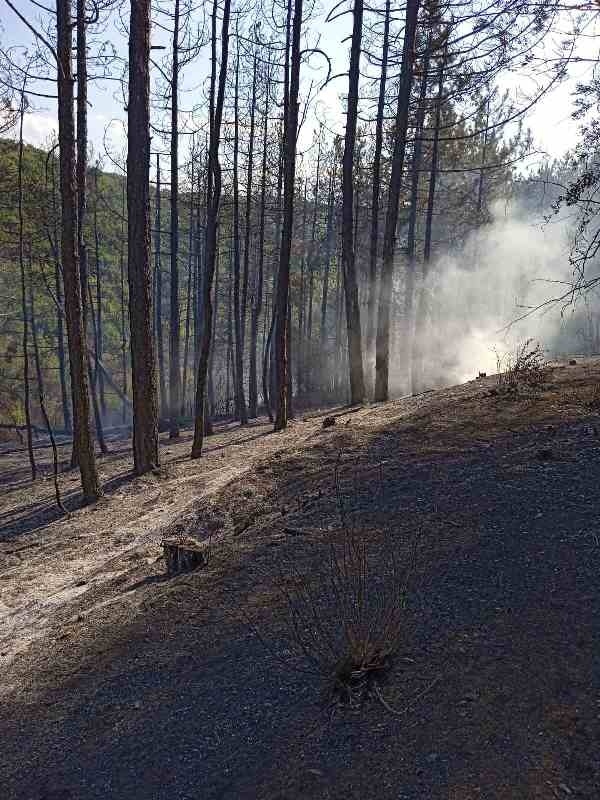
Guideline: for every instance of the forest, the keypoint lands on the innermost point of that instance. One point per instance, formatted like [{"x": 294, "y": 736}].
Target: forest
[{"x": 273, "y": 271}]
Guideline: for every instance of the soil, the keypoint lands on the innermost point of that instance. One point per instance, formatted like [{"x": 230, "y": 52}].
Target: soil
[{"x": 118, "y": 681}]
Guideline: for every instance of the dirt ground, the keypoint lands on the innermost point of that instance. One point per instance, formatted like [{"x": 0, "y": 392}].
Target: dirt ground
[{"x": 117, "y": 682}]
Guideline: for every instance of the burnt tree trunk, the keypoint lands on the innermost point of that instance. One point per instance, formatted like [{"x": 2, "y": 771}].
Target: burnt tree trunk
[
  {"x": 58, "y": 284},
  {"x": 407, "y": 336},
  {"x": 248, "y": 209},
  {"x": 382, "y": 346},
  {"x": 212, "y": 220},
  {"x": 240, "y": 400},
  {"x": 99, "y": 375},
  {"x": 42, "y": 394},
  {"x": 422, "y": 299},
  {"x": 82, "y": 439},
  {"x": 81, "y": 178},
  {"x": 174, "y": 317},
  {"x": 355, "y": 363},
  {"x": 190, "y": 271},
  {"x": 258, "y": 288},
  {"x": 289, "y": 171},
  {"x": 376, "y": 193},
  {"x": 124, "y": 409},
  {"x": 26, "y": 382},
  {"x": 143, "y": 363},
  {"x": 158, "y": 314}
]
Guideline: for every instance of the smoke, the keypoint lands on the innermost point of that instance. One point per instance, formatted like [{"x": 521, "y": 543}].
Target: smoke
[{"x": 476, "y": 295}]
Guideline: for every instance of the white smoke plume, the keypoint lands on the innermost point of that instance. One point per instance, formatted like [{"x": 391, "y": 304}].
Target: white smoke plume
[{"x": 506, "y": 268}]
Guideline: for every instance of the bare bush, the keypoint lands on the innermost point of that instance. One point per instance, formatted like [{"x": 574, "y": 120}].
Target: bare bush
[
  {"x": 525, "y": 369},
  {"x": 347, "y": 619}
]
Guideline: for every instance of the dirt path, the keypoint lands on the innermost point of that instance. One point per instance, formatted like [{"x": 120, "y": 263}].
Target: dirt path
[{"x": 46, "y": 565}]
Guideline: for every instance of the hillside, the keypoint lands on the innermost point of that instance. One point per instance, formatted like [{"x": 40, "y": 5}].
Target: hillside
[{"x": 120, "y": 682}]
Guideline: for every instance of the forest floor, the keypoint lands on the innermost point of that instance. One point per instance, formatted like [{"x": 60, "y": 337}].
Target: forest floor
[{"x": 116, "y": 682}]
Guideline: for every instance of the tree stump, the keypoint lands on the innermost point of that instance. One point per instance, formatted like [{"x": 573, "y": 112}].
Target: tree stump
[{"x": 183, "y": 555}]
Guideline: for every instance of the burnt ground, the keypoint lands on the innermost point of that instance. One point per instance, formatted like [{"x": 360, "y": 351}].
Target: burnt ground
[{"x": 119, "y": 683}]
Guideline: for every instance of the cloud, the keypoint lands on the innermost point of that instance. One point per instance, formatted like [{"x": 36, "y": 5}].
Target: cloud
[{"x": 39, "y": 128}]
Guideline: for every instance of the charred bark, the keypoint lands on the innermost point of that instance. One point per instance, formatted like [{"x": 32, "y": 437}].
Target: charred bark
[{"x": 143, "y": 363}]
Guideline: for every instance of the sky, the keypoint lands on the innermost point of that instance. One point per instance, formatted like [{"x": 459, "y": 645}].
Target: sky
[{"x": 553, "y": 129}]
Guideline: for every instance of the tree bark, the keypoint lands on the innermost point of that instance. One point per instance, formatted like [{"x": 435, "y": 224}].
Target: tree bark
[
  {"x": 124, "y": 410},
  {"x": 407, "y": 336},
  {"x": 422, "y": 304},
  {"x": 26, "y": 383},
  {"x": 143, "y": 362},
  {"x": 289, "y": 171},
  {"x": 258, "y": 289},
  {"x": 82, "y": 439},
  {"x": 240, "y": 400},
  {"x": 174, "y": 318},
  {"x": 190, "y": 268},
  {"x": 60, "y": 334},
  {"x": 376, "y": 191},
  {"x": 81, "y": 178},
  {"x": 214, "y": 186},
  {"x": 42, "y": 394},
  {"x": 357, "y": 382},
  {"x": 99, "y": 375},
  {"x": 382, "y": 347},
  {"x": 248, "y": 209},
  {"x": 158, "y": 315}
]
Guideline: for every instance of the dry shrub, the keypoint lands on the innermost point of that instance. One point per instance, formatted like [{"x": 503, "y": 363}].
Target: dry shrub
[
  {"x": 525, "y": 369},
  {"x": 347, "y": 620}
]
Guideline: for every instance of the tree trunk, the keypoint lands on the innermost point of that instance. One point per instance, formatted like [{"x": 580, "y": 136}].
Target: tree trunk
[
  {"x": 212, "y": 220},
  {"x": 258, "y": 289},
  {"x": 41, "y": 394},
  {"x": 327, "y": 266},
  {"x": 376, "y": 192},
  {"x": 81, "y": 177},
  {"x": 94, "y": 393},
  {"x": 60, "y": 334},
  {"x": 422, "y": 304},
  {"x": 289, "y": 171},
  {"x": 99, "y": 375},
  {"x": 190, "y": 267},
  {"x": 174, "y": 320},
  {"x": 82, "y": 439},
  {"x": 158, "y": 316},
  {"x": 26, "y": 384},
  {"x": 248, "y": 209},
  {"x": 302, "y": 299},
  {"x": 122, "y": 298},
  {"x": 143, "y": 362},
  {"x": 382, "y": 347},
  {"x": 240, "y": 401},
  {"x": 407, "y": 336},
  {"x": 312, "y": 258},
  {"x": 357, "y": 383}
]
